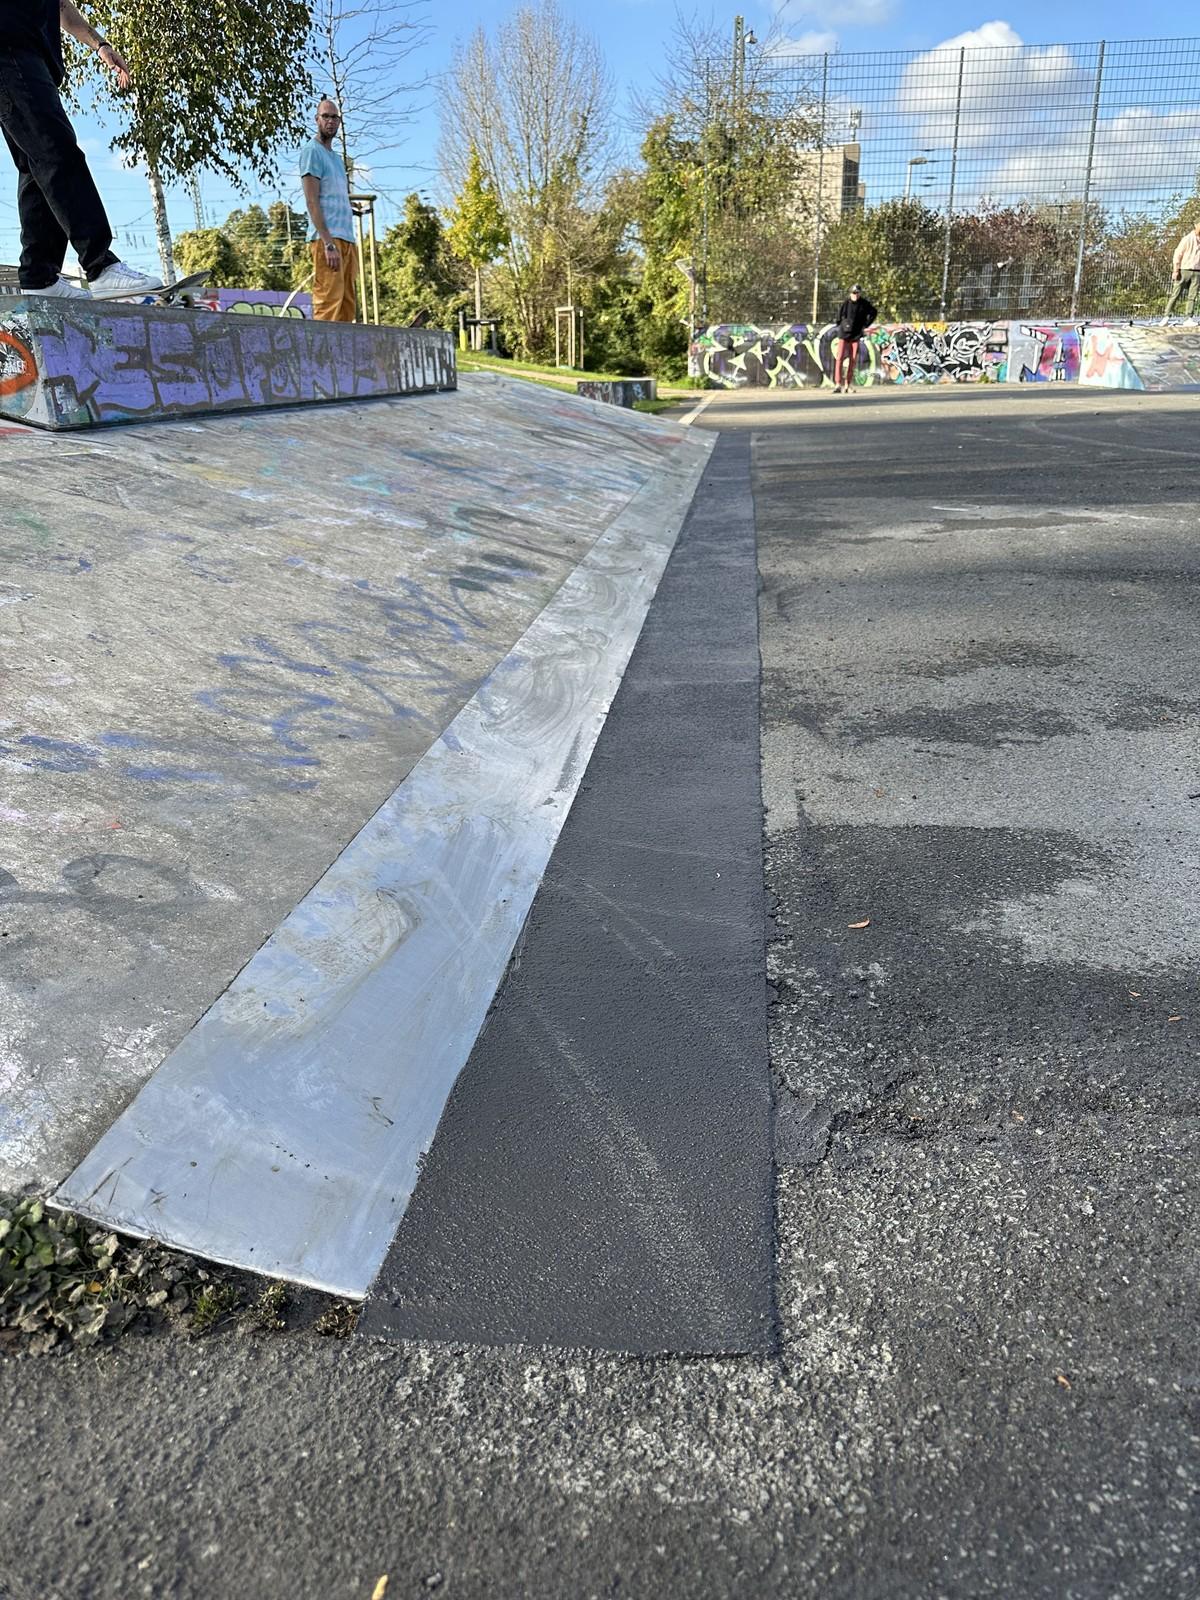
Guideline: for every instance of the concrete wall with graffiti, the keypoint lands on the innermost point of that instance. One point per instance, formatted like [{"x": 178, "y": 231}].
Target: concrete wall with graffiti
[
  {"x": 795, "y": 356},
  {"x": 618, "y": 391},
  {"x": 75, "y": 364},
  {"x": 257, "y": 302}
]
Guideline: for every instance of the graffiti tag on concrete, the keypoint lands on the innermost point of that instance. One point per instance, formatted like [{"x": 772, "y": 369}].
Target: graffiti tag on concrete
[
  {"x": 737, "y": 355},
  {"x": 617, "y": 391},
  {"x": 67, "y": 364}
]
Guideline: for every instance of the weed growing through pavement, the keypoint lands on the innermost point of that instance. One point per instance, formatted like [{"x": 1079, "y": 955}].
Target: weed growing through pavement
[
  {"x": 64, "y": 1283},
  {"x": 338, "y": 1321}
]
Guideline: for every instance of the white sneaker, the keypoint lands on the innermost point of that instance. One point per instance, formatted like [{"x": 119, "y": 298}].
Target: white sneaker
[
  {"x": 61, "y": 289},
  {"x": 119, "y": 280},
  {"x": 1164, "y": 322}
]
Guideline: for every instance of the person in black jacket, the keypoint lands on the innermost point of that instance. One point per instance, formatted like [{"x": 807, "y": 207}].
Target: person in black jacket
[{"x": 854, "y": 317}]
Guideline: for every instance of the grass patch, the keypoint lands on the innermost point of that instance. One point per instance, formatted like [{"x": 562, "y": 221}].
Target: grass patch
[
  {"x": 653, "y": 407},
  {"x": 472, "y": 358}
]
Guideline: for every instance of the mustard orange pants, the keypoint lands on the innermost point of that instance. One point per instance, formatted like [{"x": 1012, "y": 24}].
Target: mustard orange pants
[{"x": 333, "y": 292}]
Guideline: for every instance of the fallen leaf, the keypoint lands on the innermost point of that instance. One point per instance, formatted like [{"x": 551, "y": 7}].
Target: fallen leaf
[
  {"x": 1136, "y": 993},
  {"x": 1065, "y": 1381},
  {"x": 380, "y": 1588},
  {"x": 865, "y": 923},
  {"x": 1174, "y": 1019},
  {"x": 1019, "y": 1116}
]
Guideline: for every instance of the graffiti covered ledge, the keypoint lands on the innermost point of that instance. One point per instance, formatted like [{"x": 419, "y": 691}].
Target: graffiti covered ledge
[
  {"x": 68, "y": 364},
  {"x": 795, "y": 356}
]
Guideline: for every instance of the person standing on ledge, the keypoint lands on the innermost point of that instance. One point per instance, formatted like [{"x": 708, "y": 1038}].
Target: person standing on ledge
[
  {"x": 56, "y": 197},
  {"x": 1185, "y": 271},
  {"x": 854, "y": 317},
  {"x": 331, "y": 236}
]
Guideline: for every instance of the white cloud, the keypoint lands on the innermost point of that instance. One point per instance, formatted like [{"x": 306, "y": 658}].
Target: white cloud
[
  {"x": 817, "y": 42},
  {"x": 1004, "y": 82},
  {"x": 1024, "y": 123},
  {"x": 1133, "y": 150}
]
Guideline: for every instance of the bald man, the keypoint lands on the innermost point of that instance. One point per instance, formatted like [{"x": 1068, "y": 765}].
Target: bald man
[{"x": 331, "y": 236}]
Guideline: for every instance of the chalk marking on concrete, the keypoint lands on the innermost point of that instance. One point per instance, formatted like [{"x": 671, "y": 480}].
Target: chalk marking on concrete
[
  {"x": 284, "y": 1134},
  {"x": 686, "y": 422}
]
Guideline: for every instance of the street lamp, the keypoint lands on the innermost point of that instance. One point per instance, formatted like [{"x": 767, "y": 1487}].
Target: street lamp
[{"x": 915, "y": 161}]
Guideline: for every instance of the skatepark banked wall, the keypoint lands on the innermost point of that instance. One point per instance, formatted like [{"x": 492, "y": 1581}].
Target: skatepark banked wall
[
  {"x": 74, "y": 364},
  {"x": 794, "y": 356}
]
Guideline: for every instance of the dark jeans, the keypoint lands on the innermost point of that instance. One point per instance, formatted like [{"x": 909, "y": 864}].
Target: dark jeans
[{"x": 56, "y": 197}]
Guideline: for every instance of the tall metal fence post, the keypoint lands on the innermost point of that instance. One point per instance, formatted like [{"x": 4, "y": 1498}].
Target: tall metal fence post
[
  {"x": 1087, "y": 185},
  {"x": 820, "y": 185},
  {"x": 962, "y": 56}
]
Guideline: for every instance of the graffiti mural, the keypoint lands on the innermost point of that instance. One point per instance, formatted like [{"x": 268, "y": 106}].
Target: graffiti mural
[
  {"x": 70, "y": 364},
  {"x": 1043, "y": 353},
  {"x": 1103, "y": 363},
  {"x": 782, "y": 356},
  {"x": 947, "y": 352},
  {"x": 257, "y": 302},
  {"x": 618, "y": 391},
  {"x": 794, "y": 356},
  {"x": 1162, "y": 358},
  {"x": 18, "y": 369}
]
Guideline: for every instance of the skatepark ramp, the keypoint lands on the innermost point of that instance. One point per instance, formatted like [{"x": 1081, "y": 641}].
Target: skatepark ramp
[{"x": 296, "y": 702}]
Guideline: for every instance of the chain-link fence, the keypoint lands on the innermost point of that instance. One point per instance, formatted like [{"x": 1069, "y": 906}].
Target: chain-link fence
[{"x": 980, "y": 179}]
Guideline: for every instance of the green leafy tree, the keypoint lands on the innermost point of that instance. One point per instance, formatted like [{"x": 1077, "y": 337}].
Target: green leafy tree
[
  {"x": 212, "y": 252},
  {"x": 1128, "y": 270},
  {"x": 217, "y": 85},
  {"x": 477, "y": 232},
  {"x": 727, "y": 148},
  {"x": 894, "y": 250},
  {"x": 254, "y": 248},
  {"x": 668, "y": 217},
  {"x": 417, "y": 272}
]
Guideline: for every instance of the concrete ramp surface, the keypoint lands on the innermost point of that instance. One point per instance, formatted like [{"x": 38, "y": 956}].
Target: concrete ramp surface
[{"x": 225, "y": 644}]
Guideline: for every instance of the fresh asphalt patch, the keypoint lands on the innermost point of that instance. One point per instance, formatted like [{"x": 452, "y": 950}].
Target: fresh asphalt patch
[{"x": 602, "y": 1175}]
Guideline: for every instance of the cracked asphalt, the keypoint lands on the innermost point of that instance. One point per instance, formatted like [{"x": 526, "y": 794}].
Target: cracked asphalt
[{"x": 978, "y": 614}]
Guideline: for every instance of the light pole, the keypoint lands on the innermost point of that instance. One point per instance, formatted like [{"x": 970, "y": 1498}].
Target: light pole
[{"x": 915, "y": 161}]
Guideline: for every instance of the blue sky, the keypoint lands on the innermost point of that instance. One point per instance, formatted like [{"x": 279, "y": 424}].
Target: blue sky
[{"x": 632, "y": 33}]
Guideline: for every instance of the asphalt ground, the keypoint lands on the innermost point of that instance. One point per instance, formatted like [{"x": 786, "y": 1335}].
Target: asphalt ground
[
  {"x": 602, "y": 1175},
  {"x": 980, "y": 764}
]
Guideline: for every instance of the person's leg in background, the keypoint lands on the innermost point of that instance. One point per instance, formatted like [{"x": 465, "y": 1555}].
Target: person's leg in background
[
  {"x": 1192, "y": 279},
  {"x": 57, "y": 197},
  {"x": 839, "y": 364},
  {"x": 1176, "y": 291},
  {"x": 851, "y": 348},
  {"x": 349, "y": 280},
  {"x": 328, "y": 289}
]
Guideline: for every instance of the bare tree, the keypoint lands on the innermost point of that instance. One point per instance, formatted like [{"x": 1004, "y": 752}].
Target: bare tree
[
  {"x": 359, "y": 54},
  {"x": 535, "y": 100}
]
